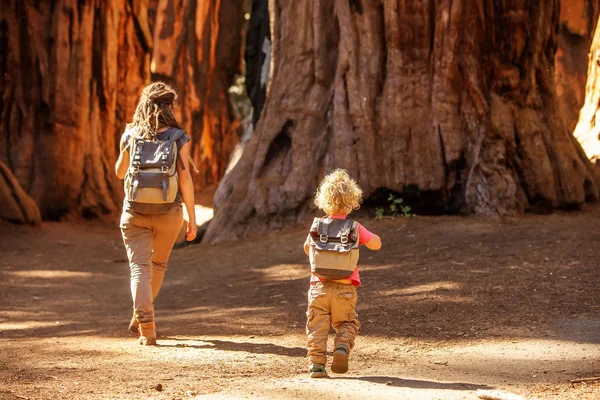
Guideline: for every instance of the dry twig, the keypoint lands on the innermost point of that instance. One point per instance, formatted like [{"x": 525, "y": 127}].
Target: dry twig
[{"x": 586, "y": 380}]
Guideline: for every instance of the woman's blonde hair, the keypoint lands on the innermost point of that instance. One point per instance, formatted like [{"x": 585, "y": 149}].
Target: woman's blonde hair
[
  {"x": 154, "y": 111},
  {"x": 338, "y": 193}
]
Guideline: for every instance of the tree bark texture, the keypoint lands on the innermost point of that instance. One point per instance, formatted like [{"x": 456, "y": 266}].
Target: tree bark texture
[
  {"x": 447, "y": 102},
  {"x": 70, "y": 77},
  {"x": 588, "y": 127},
  {"x": 257, "y": 55},
  {"x": 197, "y": 49},
  {"x": 17, "y": 206},
  {"x": 577, "y": 23}
]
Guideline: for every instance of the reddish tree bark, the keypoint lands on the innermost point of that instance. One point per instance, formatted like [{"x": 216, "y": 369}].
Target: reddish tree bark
[
  {"x": 451, "y": 102},
  {"x": 197, "y": 50},
  {"x": 576, "y": 29},
  {"x": 16, "y": 205},
  {"x": 70, "y": 77}
]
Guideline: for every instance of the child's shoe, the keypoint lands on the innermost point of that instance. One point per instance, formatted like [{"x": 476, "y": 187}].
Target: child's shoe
[
  {"x": 340, "y": 360},
  {"x": 318, "y": 371}
]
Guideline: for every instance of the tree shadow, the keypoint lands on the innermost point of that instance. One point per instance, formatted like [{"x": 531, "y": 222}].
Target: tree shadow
[
  {"x": 415, "y": 383},
  {"x": 226, "y": 345}
]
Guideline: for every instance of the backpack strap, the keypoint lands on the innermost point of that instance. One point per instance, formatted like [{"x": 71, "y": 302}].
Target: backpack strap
[
  {"x": 164, "y": 169},
  {"x": 136, "y": 183},
  {"x": 346, "y": 228},
  {"x": 356, "y": 231},
  {"x": 134, "y": 167},
  {"x": 322, "y": 229}
]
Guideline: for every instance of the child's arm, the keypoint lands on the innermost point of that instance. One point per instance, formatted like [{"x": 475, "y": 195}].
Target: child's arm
[
  {"x": 306, "y": 245},
  {"x": 374, "y": 243},
  {"x": 368, "y": 238}
]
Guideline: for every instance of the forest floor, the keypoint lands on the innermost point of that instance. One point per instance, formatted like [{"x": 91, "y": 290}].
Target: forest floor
[{"x": 450, "y": 305}]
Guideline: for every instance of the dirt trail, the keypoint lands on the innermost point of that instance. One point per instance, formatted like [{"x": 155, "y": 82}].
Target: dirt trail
[{"x": 449, "y": 306}]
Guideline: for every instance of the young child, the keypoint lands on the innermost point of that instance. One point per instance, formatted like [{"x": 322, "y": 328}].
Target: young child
[{"x": 333, "y": 302}]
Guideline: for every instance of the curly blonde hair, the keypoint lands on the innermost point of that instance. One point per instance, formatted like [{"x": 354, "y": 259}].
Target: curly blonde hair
[{"x": 338, "y": 193}]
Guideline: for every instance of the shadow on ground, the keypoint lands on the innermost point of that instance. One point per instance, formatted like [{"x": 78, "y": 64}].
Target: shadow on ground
[{"x": 442, "y": 278}]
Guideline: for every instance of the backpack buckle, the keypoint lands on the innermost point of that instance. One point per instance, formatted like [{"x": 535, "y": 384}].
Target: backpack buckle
[
  {"x": 323, "y": 238},
  {"x": 344, "y": 239},
  {"x": 164, "y": 169}
]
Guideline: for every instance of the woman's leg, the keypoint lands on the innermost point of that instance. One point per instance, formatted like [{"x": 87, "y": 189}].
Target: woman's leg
[
  {"x": 166, "y": 229},
  {"x": 137, "y": 237}
]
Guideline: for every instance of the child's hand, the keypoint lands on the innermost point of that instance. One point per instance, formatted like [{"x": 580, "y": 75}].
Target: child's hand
[{"x": 374, "y": 243}]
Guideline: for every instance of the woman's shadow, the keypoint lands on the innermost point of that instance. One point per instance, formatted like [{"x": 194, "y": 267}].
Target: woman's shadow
[{"x": 256, "y": 348}]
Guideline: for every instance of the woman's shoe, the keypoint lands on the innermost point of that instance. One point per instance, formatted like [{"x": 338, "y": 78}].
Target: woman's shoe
[
  {"x": 134, "y": 325},
  {"x": 147, "y": 334}
]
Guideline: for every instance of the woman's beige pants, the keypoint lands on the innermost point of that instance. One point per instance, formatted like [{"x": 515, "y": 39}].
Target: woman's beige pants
[{"x": 149, "y": 239}]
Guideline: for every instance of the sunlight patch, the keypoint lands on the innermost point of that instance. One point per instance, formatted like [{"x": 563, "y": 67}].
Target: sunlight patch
[
  {"x": 203, "y": 214},
  {"x": 535, "y": 351},
  {"x": 426, "y": 288},
  {"x": 45, "y": 274},
  {"x": 25, "y": 325},
  {"x": 284, "y": 272}
]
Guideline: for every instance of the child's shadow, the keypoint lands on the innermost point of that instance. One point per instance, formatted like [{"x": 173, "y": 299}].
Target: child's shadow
[
  {"x": 415, "y": 384},
  {"x": 256, "y": 348}
]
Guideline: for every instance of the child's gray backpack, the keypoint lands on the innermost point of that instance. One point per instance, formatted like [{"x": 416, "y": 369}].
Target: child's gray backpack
[
  {"x": 333, "y": 247},
  {"x": 152, "y": 175}
]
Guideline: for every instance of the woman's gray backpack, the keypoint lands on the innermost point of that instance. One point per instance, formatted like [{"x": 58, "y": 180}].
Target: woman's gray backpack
[{"x": 152, "y": 174}]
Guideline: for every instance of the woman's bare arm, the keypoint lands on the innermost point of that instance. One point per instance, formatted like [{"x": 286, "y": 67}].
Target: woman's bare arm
[
  {"x": 122, "y": 162},
  {"x": 186, "y": 187}
]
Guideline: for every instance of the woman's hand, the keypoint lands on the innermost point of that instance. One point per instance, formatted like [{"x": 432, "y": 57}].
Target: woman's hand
[{"x": 192, "y": 230}]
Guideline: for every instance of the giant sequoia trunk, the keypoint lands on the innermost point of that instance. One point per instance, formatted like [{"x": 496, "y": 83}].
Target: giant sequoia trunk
[
  {"x": 70, "y": 76},
  {"x": 446, "y": 100},
  {"x": 588, "y": 127},
  {"x": 257, "y": 55},
  {"x": 197, "y": 50},
  {"x": 576, "y": 29}
]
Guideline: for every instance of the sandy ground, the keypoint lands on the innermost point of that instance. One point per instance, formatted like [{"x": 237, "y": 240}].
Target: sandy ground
[{"x": 450, "y": 305}]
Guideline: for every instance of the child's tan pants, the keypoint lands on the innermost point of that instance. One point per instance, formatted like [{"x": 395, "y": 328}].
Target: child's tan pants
[
  {"x": 149, "y": 239},
  {"x": 330, "y": 303}
]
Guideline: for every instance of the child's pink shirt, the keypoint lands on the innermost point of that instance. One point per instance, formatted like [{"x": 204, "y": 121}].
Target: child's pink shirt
[{"x": 364, "y": 236}]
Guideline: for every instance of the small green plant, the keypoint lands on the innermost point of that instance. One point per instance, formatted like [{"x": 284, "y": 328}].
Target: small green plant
[{"x": 395, "y": 208}]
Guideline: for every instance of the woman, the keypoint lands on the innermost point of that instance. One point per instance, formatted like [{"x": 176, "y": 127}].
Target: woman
[{"x": 149, "y": 233}]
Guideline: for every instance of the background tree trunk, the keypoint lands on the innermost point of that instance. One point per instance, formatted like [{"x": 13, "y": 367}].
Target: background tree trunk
[
  {"x": 588, "y": 127},
  {"x": 578, "y": 20},
  {"x": 70, "y": 77},
  {"x": 16, "y": 205},
  {"x": 257, "y": 55},
  {"x": 197, "y": 49},
  {"x": 450, "y": 103}
]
